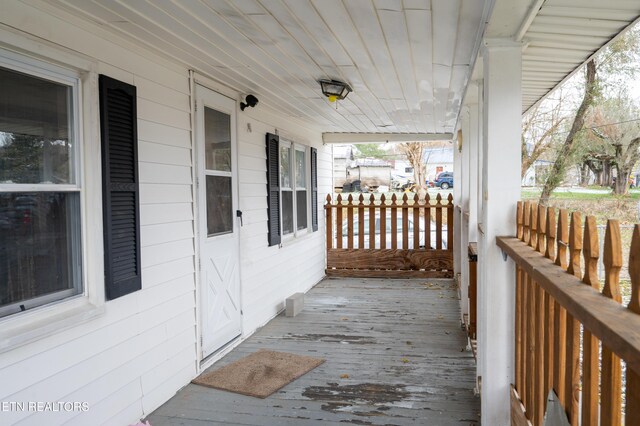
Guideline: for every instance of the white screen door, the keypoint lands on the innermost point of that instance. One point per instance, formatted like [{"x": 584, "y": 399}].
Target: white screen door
[{"x": 218, "y": 227}]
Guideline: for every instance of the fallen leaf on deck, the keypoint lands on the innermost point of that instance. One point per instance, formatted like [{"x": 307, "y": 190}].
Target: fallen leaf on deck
[{"x": 344, "y": 376}]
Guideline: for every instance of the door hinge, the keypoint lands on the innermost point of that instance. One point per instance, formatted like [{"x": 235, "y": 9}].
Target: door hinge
[{"x": 195, "y": 106}]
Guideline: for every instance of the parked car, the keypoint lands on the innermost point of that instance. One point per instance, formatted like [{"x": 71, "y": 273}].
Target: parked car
[
  {"x": 444, "y": 180},
  {"x": 345, "y": 233}
]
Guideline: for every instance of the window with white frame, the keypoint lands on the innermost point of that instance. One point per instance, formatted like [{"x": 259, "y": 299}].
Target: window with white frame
[
  {"x": 40, "y": 186},
  {"x": 293, "y": 187}
]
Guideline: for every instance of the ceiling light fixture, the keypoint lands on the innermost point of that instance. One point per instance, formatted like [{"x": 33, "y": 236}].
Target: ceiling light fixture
[{"x": 334, "y": 89}]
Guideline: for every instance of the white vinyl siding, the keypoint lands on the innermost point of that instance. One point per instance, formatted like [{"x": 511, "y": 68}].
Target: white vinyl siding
[
  {"x": 131, "y": 358},
  {"x": 140, "y": 349}
]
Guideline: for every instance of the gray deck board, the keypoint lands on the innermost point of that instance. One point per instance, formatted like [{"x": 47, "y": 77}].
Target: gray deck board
[{"x": 400, "y": 342}]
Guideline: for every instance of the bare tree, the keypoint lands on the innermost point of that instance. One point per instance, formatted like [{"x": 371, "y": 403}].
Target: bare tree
[
  {"x": 539, "y": 127},
  {"x": 414, "y": 151},
  {"x": 558, "y": 170},
  {"x": 616, "y": 125}
]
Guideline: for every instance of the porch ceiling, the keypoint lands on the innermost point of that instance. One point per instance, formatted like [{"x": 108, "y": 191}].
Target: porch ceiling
[
  {"x": 408, "y": 61},
  {"x": 562, "y": 36}
]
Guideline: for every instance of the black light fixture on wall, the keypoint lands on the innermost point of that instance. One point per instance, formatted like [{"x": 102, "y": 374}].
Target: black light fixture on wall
[
  {"x": 250, "y": 100},
  {"x": 335, "y": 89}
]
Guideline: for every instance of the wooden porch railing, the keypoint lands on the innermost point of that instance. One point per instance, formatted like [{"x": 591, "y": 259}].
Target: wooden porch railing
[
  {"x": 382, "y": 239},
  {"x": 557, "y": 307}
]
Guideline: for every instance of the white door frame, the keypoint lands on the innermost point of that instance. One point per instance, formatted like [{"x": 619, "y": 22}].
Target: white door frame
[{"x": 199, "y": 207}]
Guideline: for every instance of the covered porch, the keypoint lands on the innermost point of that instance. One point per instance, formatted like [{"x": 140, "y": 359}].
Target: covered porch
[
  {"x": 420, "y": 70},
  {"x": 395, "y": 354}
]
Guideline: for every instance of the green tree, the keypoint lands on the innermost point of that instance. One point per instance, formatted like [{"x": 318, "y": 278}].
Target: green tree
[{"x": 370, "y": 150}]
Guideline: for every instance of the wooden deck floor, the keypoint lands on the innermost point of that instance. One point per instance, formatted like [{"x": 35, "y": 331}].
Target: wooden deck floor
[{"x": 399, "y": 341}]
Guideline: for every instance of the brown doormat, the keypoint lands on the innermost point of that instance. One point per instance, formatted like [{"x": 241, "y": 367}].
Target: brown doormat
[{"x": 259, "y": 374}]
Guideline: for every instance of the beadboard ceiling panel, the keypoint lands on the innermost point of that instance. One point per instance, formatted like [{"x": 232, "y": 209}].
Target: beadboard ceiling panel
[
  {"x": 408, "y": 61},
  {"x": 563, "y": 35}
]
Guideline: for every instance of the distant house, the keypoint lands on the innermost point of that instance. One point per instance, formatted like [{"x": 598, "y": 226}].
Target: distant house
[
  {"x": 438, "y": 160},
  {"x": 537, "y": 174}
]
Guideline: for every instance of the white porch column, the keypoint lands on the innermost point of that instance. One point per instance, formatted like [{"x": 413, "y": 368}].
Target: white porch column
[
  {"x": 457, "y": 161},
  {"x": 463, "y": 179},
  {"x": 502, "y": 108},
  {"x": 475, "y": 139},
  {"x": 480, "y": 214}
]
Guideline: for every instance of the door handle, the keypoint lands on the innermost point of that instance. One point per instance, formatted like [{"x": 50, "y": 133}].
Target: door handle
[{"x": 239, "y": 214}]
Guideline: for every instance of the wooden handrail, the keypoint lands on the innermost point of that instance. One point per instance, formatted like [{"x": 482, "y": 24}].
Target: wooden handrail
[{"x": 585, "y": 304}]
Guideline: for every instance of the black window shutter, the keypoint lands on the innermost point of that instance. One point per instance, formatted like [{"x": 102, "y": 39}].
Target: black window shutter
[
  {"x": 314, "y": 189},
  {"x": 273, "y": 188},
  {"x": 121, "y": 213}
]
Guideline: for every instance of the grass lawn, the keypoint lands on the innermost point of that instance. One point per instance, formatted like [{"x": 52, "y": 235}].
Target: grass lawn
[{"x": 580, "y": 194}]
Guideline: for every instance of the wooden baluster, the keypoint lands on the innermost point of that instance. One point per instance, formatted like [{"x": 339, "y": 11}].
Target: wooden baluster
[
  {"x": 339, "y": 209},
  {"x": 563, "y": 239},
  {"x": 560, "y": 314},
  {"x": 531, "y": 325},
  {"x": 531, "y": 338},
  {"x": 439, "y": 222},
  {"x": 550, "y": 252},
  {"x": 427, "y": 222},
  {"x": 350, "y": 221},
  {"x": 450, "y": 223},
  {"x": 533, "y": 236},
  {"x": 394, "y": 222},
  {"x": 416, "y": 222},
  {"x": 575, "y": 244},
  {"x": 405, "y": 222},
  {"x": 572, "y": 374},
  {"x": 518, "y": 330},
  {"x": 590, "y": 345},
  {"x": 519, "y": 287},
  {"x": 526, "y": 230},
  {"x": 372, "y": 222},
  {"x": 611, "y": 393},
  {"x": 632, "y": 397},
  {"x": 519, "y": 220},
  {"x": 526, "y": 378},
  {"x": 329, "y": 224},
  {"x": 540, "y": 371},
  {"x": 383, "y": 222},
  {"x": 549, "y": 306},
  {"x": 361, "y": 221},
  {"x": 542, "y": 229}
]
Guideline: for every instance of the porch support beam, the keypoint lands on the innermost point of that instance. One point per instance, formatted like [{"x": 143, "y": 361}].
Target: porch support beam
[
  {"x": 457, "y": 214},
  {"x": 463, "y": 180},
  {"x": 384, "y": 137},
  {"x": 469, "y": 222},
  {"x": 502, "y": 104}
]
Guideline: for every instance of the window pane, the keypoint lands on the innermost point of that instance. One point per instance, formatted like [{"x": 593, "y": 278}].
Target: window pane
[
  {"x": 300, "y": 170},
  {"x": 36, "y": 140},
  {"x": 287, "y": 212},
  {"x": 217, "y": 140},
  {"x": 301, "y": 206},
  {"x": 39, "y": 247},
  {"x": 219, "y": 205},
  {"x": 285, "y": 167}
]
